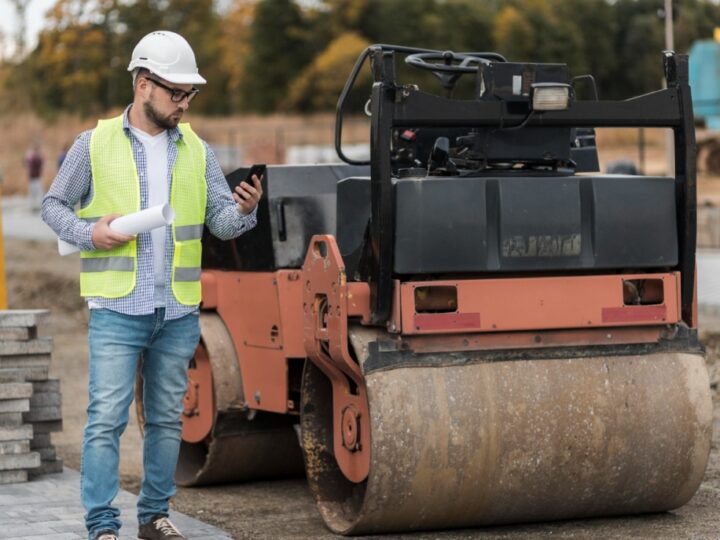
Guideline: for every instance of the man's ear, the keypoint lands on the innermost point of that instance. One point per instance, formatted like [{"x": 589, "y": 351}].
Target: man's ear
[{"x": 141, "y": 85}]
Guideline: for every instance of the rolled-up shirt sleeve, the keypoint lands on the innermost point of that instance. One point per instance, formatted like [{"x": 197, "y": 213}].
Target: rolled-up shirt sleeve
[
  {"x": 71, "y": 185},
  {"x": 221, "y": 214}
]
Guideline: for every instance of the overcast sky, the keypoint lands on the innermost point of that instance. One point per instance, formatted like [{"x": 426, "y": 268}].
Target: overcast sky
[{"x": 35, "y": 20}]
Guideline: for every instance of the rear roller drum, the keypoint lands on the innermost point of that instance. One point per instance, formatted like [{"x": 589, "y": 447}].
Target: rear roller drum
[
  {"x": 484, "y": 443},
  {"x": 222, "y": 441}
]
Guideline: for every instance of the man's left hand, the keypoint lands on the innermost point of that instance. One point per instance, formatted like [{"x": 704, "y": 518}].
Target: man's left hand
[{"x": 247, "y": 197}]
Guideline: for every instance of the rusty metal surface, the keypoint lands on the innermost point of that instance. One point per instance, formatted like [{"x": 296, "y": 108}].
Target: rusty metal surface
[
  {"x": 198, "y": 402},
  {"x": 263, "y": 314},
  {"x": 262, "y": 454},
  {"x": 226, "y": 378},
  {"x": 255, "y": 448},
  {"x": 542, "y": 339},
  {"x": 540, "y": 303},
  {"x": 521, "y": 441},
  {"x": 326, "y": 311}
]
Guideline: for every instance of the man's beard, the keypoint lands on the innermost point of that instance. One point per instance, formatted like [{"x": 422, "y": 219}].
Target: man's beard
[{"x": 164, "y": 122}]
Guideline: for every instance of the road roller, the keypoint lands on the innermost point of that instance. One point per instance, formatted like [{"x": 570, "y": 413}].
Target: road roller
[{"x": 472, "y": 327}]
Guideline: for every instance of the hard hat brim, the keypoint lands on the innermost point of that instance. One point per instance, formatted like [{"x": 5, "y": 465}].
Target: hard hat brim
[
  {"x": 183, "y": 78},
  {"x": 175, "y": 78}
]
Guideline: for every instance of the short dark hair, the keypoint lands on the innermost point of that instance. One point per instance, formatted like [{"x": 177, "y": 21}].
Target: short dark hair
[{"x": 139, "y": 72}]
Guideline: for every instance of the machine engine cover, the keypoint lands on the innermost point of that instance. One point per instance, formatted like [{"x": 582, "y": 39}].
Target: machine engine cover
[{"x": 517, "y": 224}]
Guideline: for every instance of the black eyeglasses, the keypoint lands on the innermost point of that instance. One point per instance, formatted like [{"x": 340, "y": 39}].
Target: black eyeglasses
[{"x": 176, "y": 95}]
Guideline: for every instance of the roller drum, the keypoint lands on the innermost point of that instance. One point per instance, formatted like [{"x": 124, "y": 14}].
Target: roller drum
[
  {"x": 261, "y": 454},
  {"x": 242, "y": 445},
  {"x": 500, "y": 442}
]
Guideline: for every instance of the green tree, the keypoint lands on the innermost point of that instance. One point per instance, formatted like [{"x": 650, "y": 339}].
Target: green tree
[
  {"x": 638, "y": 42},
  {"x": 197, "y": 21},
  {"x": 343, "y": 15},
  {"x": 69, "y": 68},
  {"x": 534, "y": 31},
  {"x": 414, "y": 23},
  {"x": 514, "y": 35},
  {"x": 319, "y": 85},
  {"x": 697, "y": 19},
  {"x": 280, "y": 49},
  {"x": 593, "y": 25},
  {"x": 235, "y": 48}
]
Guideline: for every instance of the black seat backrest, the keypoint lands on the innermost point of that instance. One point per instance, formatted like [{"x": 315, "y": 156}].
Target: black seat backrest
[{"x": 299, "y": 202}]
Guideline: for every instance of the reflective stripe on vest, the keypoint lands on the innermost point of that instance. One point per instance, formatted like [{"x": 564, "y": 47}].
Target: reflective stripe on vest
[
  {"x": 116, "y": 189},
  {"x": 101, "y": 264},
  {"x": 187, "y": 274},
  {"x": 189, "y": 232}
]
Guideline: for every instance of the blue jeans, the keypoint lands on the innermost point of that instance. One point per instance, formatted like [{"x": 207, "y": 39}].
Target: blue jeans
[{"x": 116, "y": 342}]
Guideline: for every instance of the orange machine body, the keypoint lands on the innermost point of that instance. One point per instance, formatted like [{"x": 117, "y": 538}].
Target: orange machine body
[{"x": 268, "y": 318}]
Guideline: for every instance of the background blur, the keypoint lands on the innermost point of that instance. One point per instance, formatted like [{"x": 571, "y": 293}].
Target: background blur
[{"x": 276, "y": 67}]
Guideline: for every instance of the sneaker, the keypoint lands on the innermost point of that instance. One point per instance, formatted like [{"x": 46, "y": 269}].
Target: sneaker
[
  {"x": 106, "y": 535},
  {"x": 160, "y": 528}
]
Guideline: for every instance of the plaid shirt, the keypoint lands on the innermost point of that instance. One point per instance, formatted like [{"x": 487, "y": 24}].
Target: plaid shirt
[{"x": 73, "y": 184}]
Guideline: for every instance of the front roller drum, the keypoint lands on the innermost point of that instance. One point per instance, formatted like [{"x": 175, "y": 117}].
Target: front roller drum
[{"x": 502, "y": 442}]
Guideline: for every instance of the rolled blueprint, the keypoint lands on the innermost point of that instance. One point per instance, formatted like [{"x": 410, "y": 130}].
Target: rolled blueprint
[{"x": 139, "y": 222}]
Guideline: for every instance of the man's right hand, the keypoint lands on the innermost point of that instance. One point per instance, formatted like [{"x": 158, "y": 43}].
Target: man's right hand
[{"x": 103, "y": 237}]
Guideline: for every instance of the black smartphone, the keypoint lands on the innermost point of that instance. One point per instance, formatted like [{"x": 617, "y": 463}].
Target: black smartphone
[{"x": 256, "y": 170}]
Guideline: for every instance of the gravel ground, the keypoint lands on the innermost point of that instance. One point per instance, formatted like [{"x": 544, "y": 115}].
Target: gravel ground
[{"x": 39, "y": 278}]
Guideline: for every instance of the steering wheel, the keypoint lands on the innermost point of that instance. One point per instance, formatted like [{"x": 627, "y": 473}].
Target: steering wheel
[
  {"x": 443, "y": 61},
  {"x": 449, "y": 66}
]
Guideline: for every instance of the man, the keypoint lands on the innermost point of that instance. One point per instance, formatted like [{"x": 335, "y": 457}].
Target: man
[
  {"x": 143, "y": 292},
  {"x": 34, "y": 164}
]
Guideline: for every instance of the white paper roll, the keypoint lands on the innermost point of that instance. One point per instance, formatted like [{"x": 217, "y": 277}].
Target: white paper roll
[{"x": 139, "y": 222}]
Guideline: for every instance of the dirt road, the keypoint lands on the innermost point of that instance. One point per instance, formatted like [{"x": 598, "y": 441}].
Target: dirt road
[{"x": 38, "y": 277}]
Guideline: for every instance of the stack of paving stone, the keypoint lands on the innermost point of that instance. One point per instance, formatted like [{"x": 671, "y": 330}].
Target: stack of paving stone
[{"x": 29, "y": 401}]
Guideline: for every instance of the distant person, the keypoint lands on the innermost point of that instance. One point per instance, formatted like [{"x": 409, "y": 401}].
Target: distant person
[
  {"x": 62, "y": 155},
  {"x": 143, "y": 292},
  {"x": 34, "y": 164}
]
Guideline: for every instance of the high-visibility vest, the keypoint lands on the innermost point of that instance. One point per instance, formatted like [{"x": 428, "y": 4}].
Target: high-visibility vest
[{"x": 112, "y": 273}]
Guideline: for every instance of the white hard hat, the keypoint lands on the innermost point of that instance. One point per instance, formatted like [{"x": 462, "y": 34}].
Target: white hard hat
[{"x": 169, "y": 56}]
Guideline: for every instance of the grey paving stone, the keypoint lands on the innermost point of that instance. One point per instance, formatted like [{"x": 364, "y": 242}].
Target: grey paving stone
[
  {"x": 16, "y": 433},
  {"x": 26, "y": 373},
  {"x": 46, "y": 467},
  {"x": 46, "y": 399},
  {"x": 49, "y": 507},
  {"x": 61, "y": 536},
  {"x": 28, "y": 529},
  {"x": 64, "y": 525},
  {"x": 24, "y": 361},
  {"x": 47, "y": 427},
  {"x": 18, "y": 334},
  {"x": 16, "y": 390},
  {"x": 42, "y": 345},
  {"x": 23, "y": 317},
  {"x": 40, "y": 440},
  {"x": 47, "y": 454},
  {"x": 43, "y": 414},
  {"x": 16, "y": 447},
  {"x": 10, "y": 462},
  {"x": 13, "y": 477},
  {"x": 11, "y": 419},
  {"x": 40, "y": 515},
  {"x": 50, "y": 385},
  {"x": 14, "y": 405}
]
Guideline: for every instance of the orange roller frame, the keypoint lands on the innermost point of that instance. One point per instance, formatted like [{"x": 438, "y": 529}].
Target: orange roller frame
[{"x": 495, "y": 305}]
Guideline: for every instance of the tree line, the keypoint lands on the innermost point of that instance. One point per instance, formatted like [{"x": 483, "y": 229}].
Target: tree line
[{"x": 266, "y": 56}]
